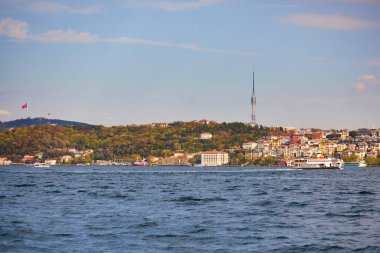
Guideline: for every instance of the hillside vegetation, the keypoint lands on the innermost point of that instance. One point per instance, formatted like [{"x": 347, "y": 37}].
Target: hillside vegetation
[
  {"x": 119, "y": 142},
  {"x": 39, "y": 121}
]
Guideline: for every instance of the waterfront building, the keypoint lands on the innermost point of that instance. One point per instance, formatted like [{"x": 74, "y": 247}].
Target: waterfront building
[
  {"x": 66, "y": 158},
  {"x": 4, "y": 161},
  {"x": 51, "y": 161},
  {"x": 27, "y": 158},
  {"x": 103, "y": 162},
  {"x": 214, "y": 158}
]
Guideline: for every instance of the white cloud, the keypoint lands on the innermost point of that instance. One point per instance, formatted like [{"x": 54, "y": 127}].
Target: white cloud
[
  {"x": 56, "y": 7},
  {"x": 366, "y": 81},
  {"x": 48, "y": 6},
  {"x": 336, "y": 21},
  {"x": 4, "y": 112},
  {"x": 14, "y": 29},
  {"x": 176, "y": 45},
  {"x": 18, "y": 30},
  {"x": 11, "y": 29},
  {"x": 60, "y": 36},
  {"x": 183, "y": 5},
  {"x": 88, "y": 10}
]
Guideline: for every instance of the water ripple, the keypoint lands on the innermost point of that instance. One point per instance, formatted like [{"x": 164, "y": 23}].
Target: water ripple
[{"x": 177, "y": 209}]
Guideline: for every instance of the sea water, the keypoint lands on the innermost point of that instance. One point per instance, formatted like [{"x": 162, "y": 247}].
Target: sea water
[{"x": 185, "y": 209}]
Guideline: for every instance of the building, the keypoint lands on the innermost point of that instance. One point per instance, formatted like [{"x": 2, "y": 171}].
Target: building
[
  {"x": 363, "y": 131},
  {"x": 275, "y": 142},
  {"x": 290, "y": 129},
  {"x": 214, "y": 158},
  {"x": 159, "y": 125},
  {"x": 4, "y": 161},
  {"x": 249, "y": 145},
  {"x": 66, "y": 159},
  {"x": 51, "y": 161},
  {"x": 28, "y": 159},
  {"x": 205, "y": 136}
]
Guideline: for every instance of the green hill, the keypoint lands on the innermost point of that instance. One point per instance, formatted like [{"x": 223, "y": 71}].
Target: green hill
[
  {"x": 39, "y": 121},
  {"x": 119, "y": 142}
]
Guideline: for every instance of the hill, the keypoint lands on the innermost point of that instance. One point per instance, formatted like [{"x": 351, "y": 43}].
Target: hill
[
  {"x": 123, "y": 142},
  {"x": 39, "y": 122}
]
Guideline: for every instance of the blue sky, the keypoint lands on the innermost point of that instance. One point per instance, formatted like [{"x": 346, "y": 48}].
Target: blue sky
[{"x": 317, "y": 62}]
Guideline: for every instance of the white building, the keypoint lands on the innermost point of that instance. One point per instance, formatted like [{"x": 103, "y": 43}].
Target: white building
[
  {"x": 4, "y": 161},
  {"x": 249, "y": 145},
  {"x": 206, "y": 136},
  {"x": 214, "y": 158},
  {"x": 51, "y": 161}
]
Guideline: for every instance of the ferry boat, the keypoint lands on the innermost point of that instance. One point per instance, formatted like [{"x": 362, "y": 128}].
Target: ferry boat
[
  {"x": 41, "y": 165},
  {"x": 316, "y": 163},
  {"x": 360, "y": 164}
]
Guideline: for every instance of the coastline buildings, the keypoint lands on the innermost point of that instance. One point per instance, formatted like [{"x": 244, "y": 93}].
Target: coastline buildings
[
  {"x": 182, "y": 143},
  {"x": 214, "y": 158},
  {"x": 291, "y": 143}
]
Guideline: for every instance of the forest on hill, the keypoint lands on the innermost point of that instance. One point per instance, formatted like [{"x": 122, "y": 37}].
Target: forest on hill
[
  {"x": 39, "y": 121},
  {"x": 119, "y": 142}
]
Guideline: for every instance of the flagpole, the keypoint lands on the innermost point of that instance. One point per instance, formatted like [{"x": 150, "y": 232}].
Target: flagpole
[{"x": 27, "y": 109}]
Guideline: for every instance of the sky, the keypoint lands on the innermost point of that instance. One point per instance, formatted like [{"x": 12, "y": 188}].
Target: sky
[{"x": 316, "y": 62}]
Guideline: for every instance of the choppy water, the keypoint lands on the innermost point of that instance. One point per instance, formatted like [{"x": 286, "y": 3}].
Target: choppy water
[{"x": 183, "y": 209}]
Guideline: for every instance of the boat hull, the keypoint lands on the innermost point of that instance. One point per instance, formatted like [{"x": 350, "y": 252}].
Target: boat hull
[
  {"x": 318, "y": 168},
  {"x": 354, "y": 165}
]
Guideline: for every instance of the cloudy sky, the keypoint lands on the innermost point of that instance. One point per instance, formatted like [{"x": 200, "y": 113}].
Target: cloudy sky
[{"x": 317, "y": 62}]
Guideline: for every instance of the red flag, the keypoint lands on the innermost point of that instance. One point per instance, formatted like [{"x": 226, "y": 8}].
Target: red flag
[{"x": 24, "y": 105}]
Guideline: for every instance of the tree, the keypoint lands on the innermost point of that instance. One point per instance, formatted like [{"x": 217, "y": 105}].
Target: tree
[
  {"x": 240, "y": 156},
  {"x": 353, "y": 133},
  {"x": 372, "y": 161},
  {"x": 351, "y": 158},
  {"x": 333, "y": 136},
  {"x": 136, "y": 158}
]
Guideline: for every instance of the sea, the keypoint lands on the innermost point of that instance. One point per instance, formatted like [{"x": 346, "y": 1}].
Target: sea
[{"x": 188, "y": 209}]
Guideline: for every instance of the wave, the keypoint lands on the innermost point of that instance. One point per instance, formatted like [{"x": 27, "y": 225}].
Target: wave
[
  {"x": 190, "y": 200},
  {"x": 297, "y": 204},
  {"x": 366, "y": 193},
  {"x": 24, "y": 185}
]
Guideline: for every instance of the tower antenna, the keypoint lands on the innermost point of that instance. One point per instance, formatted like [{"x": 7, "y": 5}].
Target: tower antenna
[{"x": 253, "y": 101}]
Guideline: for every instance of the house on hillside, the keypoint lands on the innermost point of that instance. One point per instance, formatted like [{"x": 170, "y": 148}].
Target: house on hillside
[{"x": 205, "y": 136}]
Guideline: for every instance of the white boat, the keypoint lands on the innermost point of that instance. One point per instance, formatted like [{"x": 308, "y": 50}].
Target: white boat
[
  {"x": 41, "y": 165},
  {"x": 316, "y": 163},
  {"x": 360, "y": 164}
]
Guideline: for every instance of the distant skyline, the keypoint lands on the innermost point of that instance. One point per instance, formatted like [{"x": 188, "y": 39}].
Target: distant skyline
[{"x": 317, "y": 63}]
